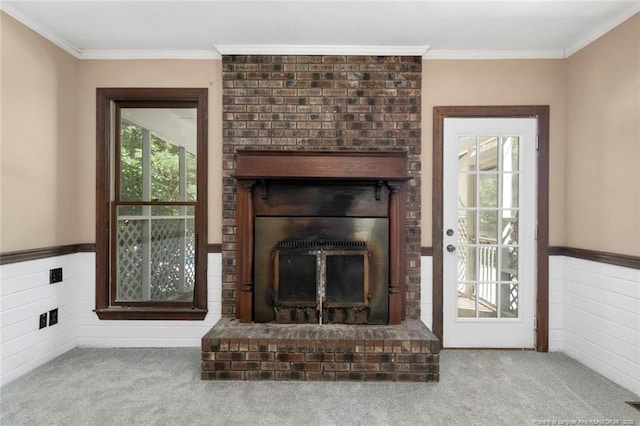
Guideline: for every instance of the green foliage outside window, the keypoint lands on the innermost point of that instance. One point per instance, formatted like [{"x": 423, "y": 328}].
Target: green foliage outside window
[{"x": 165, "y": 168}]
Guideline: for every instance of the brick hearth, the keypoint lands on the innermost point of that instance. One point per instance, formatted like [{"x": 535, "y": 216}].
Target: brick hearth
[{"x": 408, "y": 352}]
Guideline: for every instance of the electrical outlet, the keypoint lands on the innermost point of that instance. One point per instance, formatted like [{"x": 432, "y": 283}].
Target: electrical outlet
[
  {"x": 43, "y": 320},
  {"x": 53, "y": 316},
  {"x": 55, "y": 275}
]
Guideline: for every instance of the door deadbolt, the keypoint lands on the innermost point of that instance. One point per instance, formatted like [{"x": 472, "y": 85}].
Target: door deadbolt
[{"x": 449, "y": 232}]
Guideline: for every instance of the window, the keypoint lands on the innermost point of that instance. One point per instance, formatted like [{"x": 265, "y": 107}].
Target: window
[{"x": 151, "y": 204}]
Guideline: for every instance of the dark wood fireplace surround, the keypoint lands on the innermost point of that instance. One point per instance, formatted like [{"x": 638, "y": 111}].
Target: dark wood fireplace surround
[{"x": 386, "y": 171}]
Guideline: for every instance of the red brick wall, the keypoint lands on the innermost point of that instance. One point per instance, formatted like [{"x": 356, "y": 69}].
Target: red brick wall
[{"x": 321, "y": 103}]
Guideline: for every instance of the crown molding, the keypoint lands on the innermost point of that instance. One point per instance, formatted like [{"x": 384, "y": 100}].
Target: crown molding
[
  {"x": 43, "y": 31},
  {"x": 104, "y": 54},
  {"x": 287, "y": 49},
  {"x": 598, "y": 32},
  {"x": 149, "y": 54},
  {"x": 494, "y": 54},
  {"x": 301, "y": 49}
]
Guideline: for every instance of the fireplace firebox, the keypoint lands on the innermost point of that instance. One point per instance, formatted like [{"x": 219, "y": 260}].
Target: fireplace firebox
[
  {"x": 321, "y": 236},
  {"x": 321, "y": 269},
  {"x": 321, "y": 275}
]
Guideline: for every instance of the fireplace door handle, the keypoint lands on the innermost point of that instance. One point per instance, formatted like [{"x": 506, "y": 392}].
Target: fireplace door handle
[{"x": 451, "y": 248}]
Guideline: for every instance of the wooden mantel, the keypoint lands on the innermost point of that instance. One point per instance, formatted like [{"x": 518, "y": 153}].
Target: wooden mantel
[
  {"x": 335, "y": 165},
  {"x": 383, "y": 167}
]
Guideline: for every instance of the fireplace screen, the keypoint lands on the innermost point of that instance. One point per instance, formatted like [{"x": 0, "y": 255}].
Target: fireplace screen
[
  {"x": 321, "y": 269},
  {"x": 321, "y": 274}
]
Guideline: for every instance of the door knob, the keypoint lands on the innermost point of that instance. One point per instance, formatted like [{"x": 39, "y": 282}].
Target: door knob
[{"x": 451, "y": 248}]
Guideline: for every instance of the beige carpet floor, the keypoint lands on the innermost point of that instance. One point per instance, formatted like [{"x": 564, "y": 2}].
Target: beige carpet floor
[{"x": 162, "y": 387}]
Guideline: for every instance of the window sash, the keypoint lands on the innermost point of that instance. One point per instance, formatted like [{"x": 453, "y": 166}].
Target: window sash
[{"x": 108, "y": 306}]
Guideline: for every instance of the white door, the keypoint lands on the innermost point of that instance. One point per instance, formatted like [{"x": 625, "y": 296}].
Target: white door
[{"x": 489, "y": 232}]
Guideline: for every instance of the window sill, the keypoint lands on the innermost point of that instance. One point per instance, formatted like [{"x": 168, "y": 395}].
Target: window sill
[{"x": 147, "y": 313}]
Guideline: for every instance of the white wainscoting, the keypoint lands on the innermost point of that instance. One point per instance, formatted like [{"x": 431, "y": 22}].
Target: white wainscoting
[
  {"x": 426, "y": 290},
  {"x": 602, "y": 319},
  {"x": 594, "y": 314},
  {"x": 556, "y": 303},
  {"x": 25, "y": 293},
  {"x": 110, "y": 333}
]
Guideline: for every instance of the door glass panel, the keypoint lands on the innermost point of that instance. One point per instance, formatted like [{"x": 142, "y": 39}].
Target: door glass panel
[
  {"x": 487, "y": 250},
  {"x": 487, "y": 300},
  {"x": 488, "y": 190},
  {"x": 467, "y": 227},
  {"x": 487, "y": 263},
  {"x": 509, "y": 300},
  {"x": 510, "y": 192},
  {"x": 509, "y": 270},
  {"x": 509, "y": 227},
  {"x": 482, "y": 300},
  {"x": 510, "y": 154},
  {"x": 466, "y": 263},
  {"x": 467, "y": 190},
  {"x": 466, "y": 154},
  {"x": 466, "y": 301},
  {"x": 488, "y": 148},
  {"x": 488, "y": 227}
]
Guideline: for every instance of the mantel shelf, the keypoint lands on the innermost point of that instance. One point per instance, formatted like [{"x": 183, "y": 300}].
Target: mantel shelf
[
  {"x": 327, "y": 165},
  {"x": 332, "y": 178}
]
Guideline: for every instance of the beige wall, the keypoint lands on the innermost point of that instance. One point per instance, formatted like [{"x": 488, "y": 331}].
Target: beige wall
[
  {"x": 48, "y": 133},
  {"x": 38, "y": 141},
  {"x": 497, "y": 82},
  {"x": 603, "y": 143},
  {"x": 146, "y": 73}
]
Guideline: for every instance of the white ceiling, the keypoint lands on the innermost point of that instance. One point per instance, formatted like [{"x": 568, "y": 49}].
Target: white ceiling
[{"x": 206, "y": 28}]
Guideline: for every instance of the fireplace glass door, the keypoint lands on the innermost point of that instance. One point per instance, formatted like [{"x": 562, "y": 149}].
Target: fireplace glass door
[
  {"x": 296, "y": 278},
  {"x": 347, "y": 278},
  {"x": 321, "y": 270},
  {"x": 321, "y": 276}
]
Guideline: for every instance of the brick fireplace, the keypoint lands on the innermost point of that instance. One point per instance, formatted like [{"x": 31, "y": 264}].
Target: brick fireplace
[
  {"x": 322, "y": 103},
  {"x": 319, "y": 121}
]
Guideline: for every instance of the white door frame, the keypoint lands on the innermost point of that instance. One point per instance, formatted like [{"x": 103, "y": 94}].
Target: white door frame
[{"x": 542, "y": 201}]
